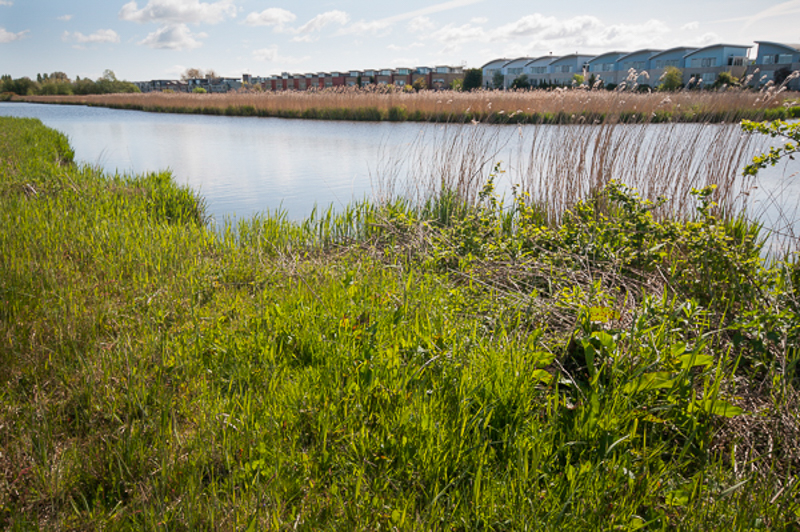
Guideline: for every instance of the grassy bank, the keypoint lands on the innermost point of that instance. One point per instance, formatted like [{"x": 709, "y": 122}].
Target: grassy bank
[
  {"x": 496, "y": 107},
  {"x": 433, "y": 365}
]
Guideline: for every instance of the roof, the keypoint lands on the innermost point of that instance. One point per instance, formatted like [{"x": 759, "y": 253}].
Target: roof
[
  {"x": 676, "y": 49},
  {"x": 550, "y": 57},
  {"x": 720, "y": 45},
  {"x": 526, "y": 59},
  {"x": 570, "y": 56},
  {"x": 642, "y": 51},
  {"x": 493, "y": 61},
  {"x": 595, "y": 58},
  {"x": 793, "y": 47}
]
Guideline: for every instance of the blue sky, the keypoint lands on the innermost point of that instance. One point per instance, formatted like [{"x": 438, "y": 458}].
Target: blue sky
[{"x": 146, "y": 39}]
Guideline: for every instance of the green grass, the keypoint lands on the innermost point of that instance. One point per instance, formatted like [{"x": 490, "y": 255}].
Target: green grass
[{"x": 412, "y": 367}]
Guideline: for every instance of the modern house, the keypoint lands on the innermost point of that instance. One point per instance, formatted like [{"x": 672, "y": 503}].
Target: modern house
[
  {"x": 563, "y": 69},
  {"x": 514, "y": 69},
  {"x": 673, "y": 57},
  {"x": 443, "y": 76},
  {"x": 538, "y": 70},
  {"x": 353, "y": 78},
  {"x": 774, "y": 56},
  {"x": 635, "y": 67},
  {"x": 709, "y": 62},
  {"x": 604, "y": 67},
  {"x": 402, "y": 77},
  {"x": 423, "y": 73},
  {"x": 489, "y": 69},
  {"x": 385, "y": 76}
]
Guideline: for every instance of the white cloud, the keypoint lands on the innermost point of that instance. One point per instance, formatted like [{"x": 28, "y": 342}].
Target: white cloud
[
  {"x": 781, "y": 10},
  {"x": 690, "y": 26},
  {"x": 271, "y": 55},
  {"x": 178, "y": 11},
  {"x": 373, "y": 26},
  {"x": 420, "y": 24},
  {"x": 450, "y": 34},
  {"x": 100, "y": 36},
  {"x": 273, "y": 16},
  {"x": 320, "y": 21},
  {"x": 7, "y": 36},
  {"x": 6, "y": 3},
  {"x": 396, "y": 48},
  {"x": 65, "y": 18},
  {"x": 174, "y": 37}
]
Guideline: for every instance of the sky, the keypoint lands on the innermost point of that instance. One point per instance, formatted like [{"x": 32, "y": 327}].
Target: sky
[{"x": 160, "y": 39}]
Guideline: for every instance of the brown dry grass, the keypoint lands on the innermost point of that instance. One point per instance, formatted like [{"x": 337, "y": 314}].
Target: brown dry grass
[{"x": 431, "y": 103}]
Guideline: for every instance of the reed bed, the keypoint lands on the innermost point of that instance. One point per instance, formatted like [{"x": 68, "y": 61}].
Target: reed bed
[{"x": 553, "y": 106}]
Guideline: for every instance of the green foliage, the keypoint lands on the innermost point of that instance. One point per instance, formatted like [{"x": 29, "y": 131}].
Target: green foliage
[
  {"x": 419, "y": 84},
  {"x": 577, "y": 79},
  {"x": 199, "y": 90},
  {"x": 473, "y": 79},
  {"x": 775, "y": 129},
  {"x": 726, "y": 79},
  {"x": 498, "y": 80},
  {"x": 449, "y": 365},
  {"x": 521, "y": 82},
  {"x": 672, "y": 79}
]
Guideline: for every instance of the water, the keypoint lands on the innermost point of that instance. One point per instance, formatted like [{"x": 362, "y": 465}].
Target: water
[{"x": 243, "y": 166}]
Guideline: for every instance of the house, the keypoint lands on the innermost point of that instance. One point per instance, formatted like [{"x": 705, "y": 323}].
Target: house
[
  {"x": 402, "y": 77},
  {"x": 490, "y": 69},
  {"x": 563, "y": 69},
  {"x": 354, "y": 78},
  {"x": 774, "y": 56},
  {"x": 514, "y": 69},
  {"x": 673, "y": 57},
  {"x": 604, "y": 67},
  {"x": 443, "y": 76},
  {"x": 538, "y": 70},
  {"x": 423, "y": 73},
  {"x": 634, "y": 67},
  {"x": 385, "y": 76},
  {"x": 709, "y": 62},
  {"x": 369, "y": 77}
]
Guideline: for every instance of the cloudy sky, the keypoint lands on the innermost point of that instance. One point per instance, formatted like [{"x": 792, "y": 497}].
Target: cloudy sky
[{"x": 146, "y": 39}]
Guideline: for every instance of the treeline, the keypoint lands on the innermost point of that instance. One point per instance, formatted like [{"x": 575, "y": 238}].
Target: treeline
[{"x": 58, "y": 83}]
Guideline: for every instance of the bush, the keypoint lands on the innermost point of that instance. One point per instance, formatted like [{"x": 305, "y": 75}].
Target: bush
[{"x": 199, "y": 90}]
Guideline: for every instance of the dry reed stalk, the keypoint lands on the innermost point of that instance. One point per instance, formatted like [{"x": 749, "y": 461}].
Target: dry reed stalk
[{"x": 430, "y": 103}]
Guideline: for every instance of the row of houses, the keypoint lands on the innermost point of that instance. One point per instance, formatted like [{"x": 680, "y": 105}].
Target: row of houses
[
  {"x": 700, "y": 65},
  {"x": 440, "y": 77},
  {"x": 703, "y": 65}
]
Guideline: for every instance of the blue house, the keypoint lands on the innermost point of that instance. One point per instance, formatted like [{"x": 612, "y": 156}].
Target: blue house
[
  {"x": 674, "y": 57},
  {"x": 538, "y": 70},
  {"x": 774, "y": 56},
  {"x": 709, "y": 62},
  {"x": 563, "y": 69},
  {"x": 604, "y": 67},
  {"x": 489, "y": 70},
  {"x": 635, "y": 67},
  {"x": 514, "y": 69}
]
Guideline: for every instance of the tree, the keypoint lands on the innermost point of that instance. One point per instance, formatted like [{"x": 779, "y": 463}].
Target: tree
[
  {"x": 191, "y": 73},
  {"x": 577, "y": 79},
  {"x": 521, "y": 82},
  {"x": 672, "y": 79},
  {"x": 781, "y": 74},
  {"x": 457, "y": 85},
  {"x": 419, "y": 84},
  {"x": 726, "y": 79},
  {"x": 473, "y": 79},
  {"x": 498, "y": 80}
]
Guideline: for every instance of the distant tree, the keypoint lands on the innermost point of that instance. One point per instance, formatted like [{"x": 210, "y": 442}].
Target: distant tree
[
  {"x": 498, "y": 80},
  {"x": 672, "y": 79},
  {"x": 419, "y": 84},
  {"x": 726, "y": 79},
  {"x": 21, "y": 86},
  {"x": 577, "y": 79},
  {"x": 521, "y": 82},
  {"x": 592, "y": 81},
  {"x": 781, "y": 74},
  {"x": 457, "y": 84},
  {"x": 191, "y": 73},
  {"x": 473, "y": 79}
]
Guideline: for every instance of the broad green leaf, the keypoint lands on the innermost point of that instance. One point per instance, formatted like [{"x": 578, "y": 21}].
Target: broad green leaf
[{"x": 649, "y": 381}]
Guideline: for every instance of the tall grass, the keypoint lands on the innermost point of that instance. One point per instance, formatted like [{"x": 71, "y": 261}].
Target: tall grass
[
  {"x": 550, "y": 107},
  {"x": 404, "y": 365}
]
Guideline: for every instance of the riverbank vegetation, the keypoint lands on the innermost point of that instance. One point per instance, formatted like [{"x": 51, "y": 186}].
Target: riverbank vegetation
[
  {"x": 560, "y": 106},
  {"x": 447, "y": 361}
]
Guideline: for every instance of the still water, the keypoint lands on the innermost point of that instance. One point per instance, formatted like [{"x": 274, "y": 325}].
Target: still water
[{"x": 242, "y": 166}]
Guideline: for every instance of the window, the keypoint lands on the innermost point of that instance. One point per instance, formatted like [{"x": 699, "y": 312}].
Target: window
[
  {"x": 564, "y": 68},
  {"x": 704, "y": 62},
  {"x": 400, "y": 82},
  {"x": 784, "y": 59},
  {"x": 538, "y": 70},
  {"x": 608, "y": 67},
  {"x": 514, "y": 71}
]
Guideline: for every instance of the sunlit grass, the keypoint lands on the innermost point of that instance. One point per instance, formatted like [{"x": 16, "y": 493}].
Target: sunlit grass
[{"x": 413, "y": 365}]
